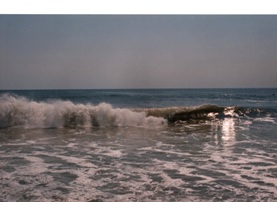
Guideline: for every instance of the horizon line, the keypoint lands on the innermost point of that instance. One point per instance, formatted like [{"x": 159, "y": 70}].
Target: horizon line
[{"x": 188, "y": 88}]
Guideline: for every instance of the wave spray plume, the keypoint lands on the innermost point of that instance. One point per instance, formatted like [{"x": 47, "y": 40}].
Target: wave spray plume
[{"x": 21, "y": 112}]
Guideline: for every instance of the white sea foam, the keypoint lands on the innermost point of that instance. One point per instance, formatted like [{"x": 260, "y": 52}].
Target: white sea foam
[
  {"x": 21, "y": 112},
  {"x": 266, "y": 119}
]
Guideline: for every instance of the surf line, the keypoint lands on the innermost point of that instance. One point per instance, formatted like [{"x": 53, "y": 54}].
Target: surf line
[{"x": 174, "y": 114}]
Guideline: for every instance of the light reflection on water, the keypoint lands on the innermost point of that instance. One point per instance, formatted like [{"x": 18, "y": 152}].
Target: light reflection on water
[
  {"x": 228, "y": 130},
  {"x": 202, "y": 162}
]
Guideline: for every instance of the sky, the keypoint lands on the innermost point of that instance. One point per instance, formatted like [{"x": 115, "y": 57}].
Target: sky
[{"x": 137, "y": 51}]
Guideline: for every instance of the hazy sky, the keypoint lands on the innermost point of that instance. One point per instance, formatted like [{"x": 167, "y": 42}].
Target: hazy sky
[{"x": 97, "y": 51}]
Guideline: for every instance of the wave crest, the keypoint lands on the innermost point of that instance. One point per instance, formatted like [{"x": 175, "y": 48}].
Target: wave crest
[
  {"x": 20, "y": 112},
  {"x": 203, "y": 112}
]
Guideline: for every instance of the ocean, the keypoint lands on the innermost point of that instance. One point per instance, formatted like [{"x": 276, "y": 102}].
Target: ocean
[{"x": 138, "y": 145}]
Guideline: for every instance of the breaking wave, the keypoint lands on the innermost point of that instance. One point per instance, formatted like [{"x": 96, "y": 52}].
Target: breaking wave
[
  {"x": 16, "y": 111},
  {"x": 20, "y": 112}
]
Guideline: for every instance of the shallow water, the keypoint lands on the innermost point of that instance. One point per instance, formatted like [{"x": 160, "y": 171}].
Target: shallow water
[{"x": 223, "y": 160}]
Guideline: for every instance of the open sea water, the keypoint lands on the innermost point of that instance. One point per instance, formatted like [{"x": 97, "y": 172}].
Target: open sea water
[{"x": 138, "y": 145}]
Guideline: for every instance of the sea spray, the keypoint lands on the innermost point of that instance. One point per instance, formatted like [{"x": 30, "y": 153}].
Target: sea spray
[{"x": 18, "y": 111}]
